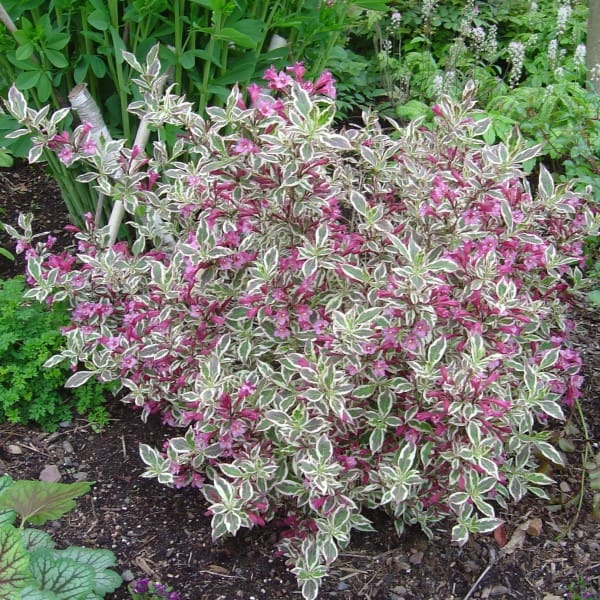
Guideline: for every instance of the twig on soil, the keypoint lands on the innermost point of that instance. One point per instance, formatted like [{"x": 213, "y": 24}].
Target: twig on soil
[
  {"x": 33, "y": 448},
  {"x": 221, "y": 574},
  {"x": 492, "y": 561},
  {"x": 124, "y": 447}
]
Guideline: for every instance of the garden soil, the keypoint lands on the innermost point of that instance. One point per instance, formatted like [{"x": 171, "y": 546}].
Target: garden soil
[{"x": 164, "y": 534}]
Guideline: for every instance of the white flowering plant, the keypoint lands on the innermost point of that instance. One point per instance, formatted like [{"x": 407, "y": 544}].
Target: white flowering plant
[{"x": 330, "y": 320}]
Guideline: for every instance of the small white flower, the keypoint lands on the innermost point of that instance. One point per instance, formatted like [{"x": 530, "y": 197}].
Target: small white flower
[
  {"x": 580, "y": 54},
  {"x": 516, "y": 52},
  {"x": 553, "y": 51},
  {"x": 427, "y": 8},
  {"x": 562, "y": 18}
]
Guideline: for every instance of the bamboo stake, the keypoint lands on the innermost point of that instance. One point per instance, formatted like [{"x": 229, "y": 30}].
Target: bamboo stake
[
  {"x": 87, "y": 110},
  {"x": 5, "y": 18}
]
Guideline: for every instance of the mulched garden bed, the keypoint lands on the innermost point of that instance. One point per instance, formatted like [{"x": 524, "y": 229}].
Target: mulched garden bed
[{"x": 164, "y": 534}]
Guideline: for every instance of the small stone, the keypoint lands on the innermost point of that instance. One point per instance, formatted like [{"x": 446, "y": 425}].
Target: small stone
[
  {"x": 498, "y": 590},
  {"x": 67, "y": 447},
  {"x": 400, "y": 590},
  {"x": 50, "y": 474},
  {"x": 471, "y": 567},
  {"x": 127, "y": 576},
  {"x": 14, "y": 449},
  {"x": 416, "y": 558},
  {"x": 342, "y": 586},
  {"x": 564, "y": 487},
  {"x": 80, "y": 476},
  {"x": 65, "y": 424}
]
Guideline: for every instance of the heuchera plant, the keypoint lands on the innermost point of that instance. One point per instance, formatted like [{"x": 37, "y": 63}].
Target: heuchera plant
[{"x": 331, "y": 319}]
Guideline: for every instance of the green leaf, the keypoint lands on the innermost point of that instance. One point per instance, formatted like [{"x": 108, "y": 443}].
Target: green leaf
[
  {"x": 550, "y": 452},
  {"x": 413, "y": 109},
  {"x": 31, "y": 593},
  {"x": 354, "y": 272},
  {"x": 101, "y": 560},
  {"x": 27, "y": 79},
  {"x": 35, "y": 539},
  {"x": 14, "y": 563},
  {"x": 99, "y": 19},
  {"x": 380, "y": 5},
  {"x": 57, "y": 58},
  {"x": 436, "y": 350},
  {"x": 39, "y": 501},
  {"x": 376, "y": 440},
  {"x": 546, "y": 183},
  {"x": 78, "y": 379},
  {"x": 324, "y": 449},
  {"x": 66, "y": 578}
]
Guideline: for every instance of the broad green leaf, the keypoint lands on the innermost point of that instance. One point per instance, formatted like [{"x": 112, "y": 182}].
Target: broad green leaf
[
  {"x": 7, "y": 517},
  {"x": 38, "y": 501},
  {"x": 32, "y": 593},
  {"x": 68, "y": 579},
  {"x": 101, "y": 560},
  {"x": 99, "y": 19},
  {"x": 14, "y": 563},
  {"x": 57, "y": 58},
  {"x": 34, "y": 539},
  {"x": 28, "y": 79}
]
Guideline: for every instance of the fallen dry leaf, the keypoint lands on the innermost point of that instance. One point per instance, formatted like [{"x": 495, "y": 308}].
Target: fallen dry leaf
[
  {"x": 531, "y": 526},
  {"x": 534, "y": 526},
  {"x": 500, "y": 535}
]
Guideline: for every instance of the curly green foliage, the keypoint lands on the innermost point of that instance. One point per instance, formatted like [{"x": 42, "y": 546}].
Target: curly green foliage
[{"x": 29, "y": 336}]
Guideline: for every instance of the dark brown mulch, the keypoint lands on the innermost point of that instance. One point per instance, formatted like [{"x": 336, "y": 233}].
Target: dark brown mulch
[{"x": 164, "y": 534}]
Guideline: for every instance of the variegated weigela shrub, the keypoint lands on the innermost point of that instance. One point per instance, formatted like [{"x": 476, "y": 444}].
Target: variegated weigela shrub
[{"x": 331, "y": 319}]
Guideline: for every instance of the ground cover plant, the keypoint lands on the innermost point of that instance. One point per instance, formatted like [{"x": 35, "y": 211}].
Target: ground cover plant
[
  {"x": 335, "y": 320},
  {"x": 29, "y": 392}
]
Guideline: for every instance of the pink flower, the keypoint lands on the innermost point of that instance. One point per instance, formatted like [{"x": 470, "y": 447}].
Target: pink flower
[
  {"x": 277, "y": 81},
  {"x": 128, "y": 361},
  {"x": 297, "y": 70},
  {"x": 421, "y": 329},
  {"x": 66, "y": 155},
  {"x": 89, "y": 146},
  {"x": 245, "y": 146},
  {"x": 282, "y": 332},
  {"x": 380, "y": 368},
  {"x": 237, "y": 429},
  {"x": 325, "y": 85},
  {"x": 246, "y": 389},
  {"x": 254, "y": 93}
]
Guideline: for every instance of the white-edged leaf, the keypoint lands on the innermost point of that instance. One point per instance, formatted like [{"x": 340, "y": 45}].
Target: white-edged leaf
[{"x": 79, "y": 378}]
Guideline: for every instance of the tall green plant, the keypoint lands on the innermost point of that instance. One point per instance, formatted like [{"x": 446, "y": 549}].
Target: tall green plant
[{"x": 206, "y": 45}]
